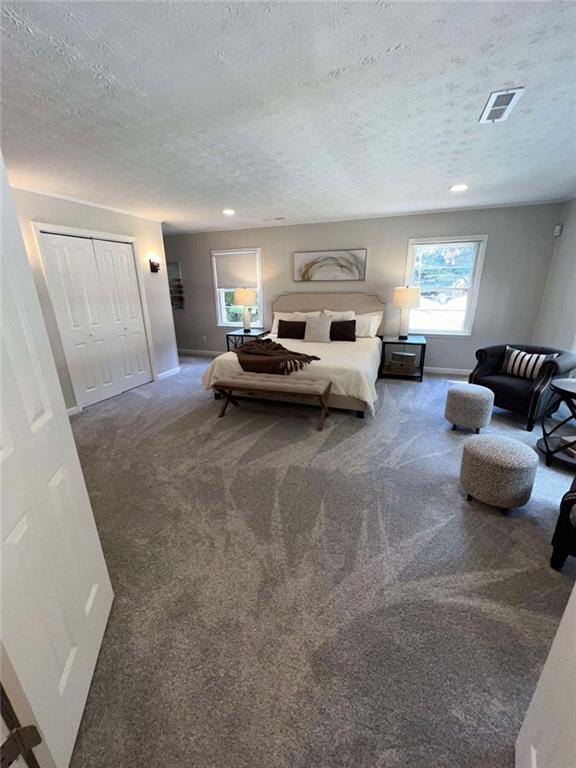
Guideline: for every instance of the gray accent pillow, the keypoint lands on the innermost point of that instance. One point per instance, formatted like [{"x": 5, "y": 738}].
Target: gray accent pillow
[{"x": 317, "y": 329}]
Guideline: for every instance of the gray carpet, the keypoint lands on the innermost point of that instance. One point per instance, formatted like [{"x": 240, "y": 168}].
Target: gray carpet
[{"x": 287, "y": 598}]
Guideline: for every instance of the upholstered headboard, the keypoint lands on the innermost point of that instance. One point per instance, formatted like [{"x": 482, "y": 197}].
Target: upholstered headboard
[{"x": 309, "y": 302}]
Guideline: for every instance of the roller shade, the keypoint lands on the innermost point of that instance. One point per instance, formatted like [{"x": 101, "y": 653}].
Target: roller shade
[{"x": 235, "y": 269}]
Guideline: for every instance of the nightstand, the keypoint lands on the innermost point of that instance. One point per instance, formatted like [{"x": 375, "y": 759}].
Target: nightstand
[
  {"x": 238, "y": 336},
  {"x": 407, "y": 345}
]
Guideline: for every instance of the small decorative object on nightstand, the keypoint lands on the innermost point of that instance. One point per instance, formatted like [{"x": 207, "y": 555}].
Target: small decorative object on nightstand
[
  {"x": 237, "y": 337},
  {"x": 405, "y": 299},
  {"x": 245, "y": 298},
  {"x": 402, "y": 365}
]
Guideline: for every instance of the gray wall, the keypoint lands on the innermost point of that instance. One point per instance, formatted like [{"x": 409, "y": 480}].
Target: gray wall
[
  {"x": 515, "y": 270},
  {"x": 33, "y": 207},
  {"x": 556, "y": 326}
]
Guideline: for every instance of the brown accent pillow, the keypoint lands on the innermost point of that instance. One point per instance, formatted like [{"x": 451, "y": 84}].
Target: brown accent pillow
[
  {"x": 343, "y": 330},
  {"x": 291, "y": 329}
]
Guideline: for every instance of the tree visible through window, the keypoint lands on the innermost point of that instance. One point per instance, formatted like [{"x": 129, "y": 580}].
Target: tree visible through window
[
  {"x": 448, "y": 275},
  {"x": 231, "y": 313}
]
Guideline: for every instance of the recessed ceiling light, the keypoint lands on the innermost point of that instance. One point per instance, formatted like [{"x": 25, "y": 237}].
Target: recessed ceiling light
[
  {"x": 458, "y": 187},
  {"x": 228, "y": 211}
]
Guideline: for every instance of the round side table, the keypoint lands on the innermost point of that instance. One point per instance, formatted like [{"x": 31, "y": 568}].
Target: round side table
[{"x": 552, "y": 445}]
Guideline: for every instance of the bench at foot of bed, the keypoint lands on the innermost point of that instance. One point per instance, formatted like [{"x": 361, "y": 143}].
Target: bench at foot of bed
[{"x": 316, "y": 390}]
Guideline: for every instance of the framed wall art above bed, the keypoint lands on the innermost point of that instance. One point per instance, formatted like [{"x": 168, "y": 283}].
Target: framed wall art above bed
[{"x": 329, "y": 266}]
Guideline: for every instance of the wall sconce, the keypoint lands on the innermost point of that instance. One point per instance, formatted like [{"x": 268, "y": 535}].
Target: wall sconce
[{"x": 154, "y": 263}]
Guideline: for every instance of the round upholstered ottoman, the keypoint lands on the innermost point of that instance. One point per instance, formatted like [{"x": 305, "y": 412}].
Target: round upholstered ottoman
[
  {"x": 469, "y": 406},
  {"x": 498, "y": 470}
]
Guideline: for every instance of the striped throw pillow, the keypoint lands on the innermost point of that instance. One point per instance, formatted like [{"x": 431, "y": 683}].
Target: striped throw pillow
[{"x": 524, "y": 365}]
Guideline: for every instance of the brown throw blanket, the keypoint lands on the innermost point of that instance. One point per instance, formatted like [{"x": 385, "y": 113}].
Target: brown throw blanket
[{"x": 266, "y": 356}]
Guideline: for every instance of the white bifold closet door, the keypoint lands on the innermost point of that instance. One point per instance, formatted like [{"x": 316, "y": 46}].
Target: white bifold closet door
[{"x": 95, "y": 295}]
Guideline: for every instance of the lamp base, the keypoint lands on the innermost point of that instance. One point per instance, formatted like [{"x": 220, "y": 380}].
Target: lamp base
[
  {"x": 246, "y": 319},
  {"x": 401, "y": 337}
]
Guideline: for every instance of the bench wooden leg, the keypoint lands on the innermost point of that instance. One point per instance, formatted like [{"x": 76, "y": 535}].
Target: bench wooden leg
[
  {"x": 225, "y": 403},
  {"x": 323, "y": 413}
]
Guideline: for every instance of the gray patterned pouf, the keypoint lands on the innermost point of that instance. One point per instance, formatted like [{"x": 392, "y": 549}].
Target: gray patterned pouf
[
  {"x": 469, "y": 406},
  {"x": 498, "y": 470}
]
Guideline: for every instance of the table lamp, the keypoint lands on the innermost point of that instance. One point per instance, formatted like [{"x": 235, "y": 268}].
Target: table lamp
[
  {"x": 405, "y": 299},
  {"x": 245, "y": 297}
]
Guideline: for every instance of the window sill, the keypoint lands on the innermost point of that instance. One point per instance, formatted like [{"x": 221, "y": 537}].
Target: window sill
[{"x": 440, "y": 334}]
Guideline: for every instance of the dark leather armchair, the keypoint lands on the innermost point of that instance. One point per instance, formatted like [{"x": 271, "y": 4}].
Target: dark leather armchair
[
  {"x": 564, "y": 539},
  {"x": 532, "y": 398}
]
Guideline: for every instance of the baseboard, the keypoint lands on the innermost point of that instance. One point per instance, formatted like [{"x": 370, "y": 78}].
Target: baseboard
[
  {"x": 199, "y": 352},
  {"x": 171, "y": 372},
  {"x": 74, "y": 410},
  {"x": 452, "y": 371}
]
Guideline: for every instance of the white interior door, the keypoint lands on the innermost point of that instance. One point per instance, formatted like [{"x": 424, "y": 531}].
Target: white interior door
[
  {"x": 94, "y": 292},
  {"x": 115, "y": 263},
  {"x": 56, "y": 593},
  {"x": 547, "y": 738}
]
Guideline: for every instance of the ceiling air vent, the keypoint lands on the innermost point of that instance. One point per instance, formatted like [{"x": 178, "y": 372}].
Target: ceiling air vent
[{"x": 500, "y": 104}]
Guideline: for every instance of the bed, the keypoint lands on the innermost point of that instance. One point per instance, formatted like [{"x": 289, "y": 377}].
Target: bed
[{"x": 352, "y": 367}]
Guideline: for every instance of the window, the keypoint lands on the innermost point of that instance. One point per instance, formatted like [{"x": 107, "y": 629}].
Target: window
[
  {"x": 447, "y": 271},
  {"x": 236, "y": 269}
]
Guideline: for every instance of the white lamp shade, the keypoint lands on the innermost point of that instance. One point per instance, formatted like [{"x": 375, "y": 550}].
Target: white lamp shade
[
  {"x": 407, "y": 297},
  {"x": 244, "y": 297}
]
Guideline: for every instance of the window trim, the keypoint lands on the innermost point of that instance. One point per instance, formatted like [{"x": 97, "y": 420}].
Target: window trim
[
  {"x": 213, "y": 256},
  {"x": 474, "y": 292}
]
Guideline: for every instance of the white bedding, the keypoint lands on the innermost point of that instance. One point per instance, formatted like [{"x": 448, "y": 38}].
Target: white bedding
[{"x": 352, "y": 367}]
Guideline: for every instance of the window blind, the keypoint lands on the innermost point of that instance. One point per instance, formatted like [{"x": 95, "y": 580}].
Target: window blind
[{"x": 235, "y": 269}]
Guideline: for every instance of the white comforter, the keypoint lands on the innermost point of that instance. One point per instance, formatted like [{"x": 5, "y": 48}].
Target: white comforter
[{"x": 351, "y": 366}]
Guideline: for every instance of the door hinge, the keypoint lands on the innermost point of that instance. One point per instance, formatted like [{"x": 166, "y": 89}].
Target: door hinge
[{"x": 20, "y": 741}]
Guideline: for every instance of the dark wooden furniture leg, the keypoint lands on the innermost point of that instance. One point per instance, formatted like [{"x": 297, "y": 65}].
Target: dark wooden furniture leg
[
  {"x": 224, "y": 404},
  {"x": 228, "y": 399},
  {"x": 324, "y": 412},
  {"x": 320, "y": 426},
  {"x": 558, "y": 558},
  {"x": 422, "y": 359},
  {"x": 564, "y": 538}
]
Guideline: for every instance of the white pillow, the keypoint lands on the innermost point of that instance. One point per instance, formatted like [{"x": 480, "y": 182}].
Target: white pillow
[
  {"x": 318, "y": 329},
  {"x": 290, "y": 316},
  {"x": 347, "y": 315},
  {"x": 368, "y": 324}
]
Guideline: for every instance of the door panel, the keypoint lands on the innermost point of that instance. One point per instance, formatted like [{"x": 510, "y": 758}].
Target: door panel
[
  {"x": 140, "y": 348},
  {"x": 128, "y": 368},
  {"x": 22, "y": 351},
  {"x": 94, "y": 291},
  {"x": 56, "y": 590},
  {"x": 81, "y": 310},
  {"x": 118, "y": 274}
]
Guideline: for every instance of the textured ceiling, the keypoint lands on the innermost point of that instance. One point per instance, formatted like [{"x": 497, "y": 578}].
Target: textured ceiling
[{"x": 309, "y": 111}]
